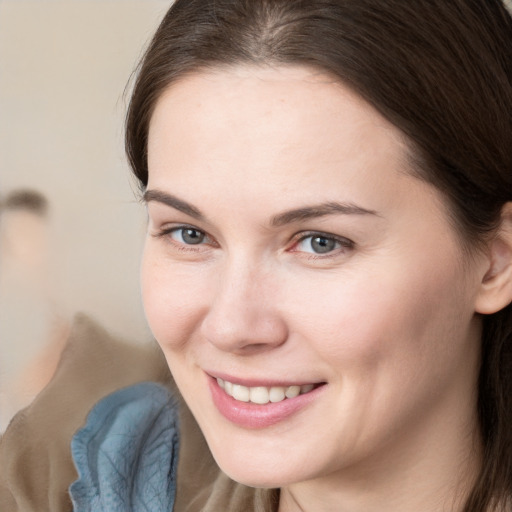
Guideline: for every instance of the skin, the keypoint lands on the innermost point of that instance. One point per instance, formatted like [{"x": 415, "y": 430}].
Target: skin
[
  {"x": 25, "y": 241},
  {"x": 386, "y": 319}
]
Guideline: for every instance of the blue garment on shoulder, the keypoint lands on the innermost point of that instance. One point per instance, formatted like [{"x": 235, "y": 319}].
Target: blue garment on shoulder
[{"x": 127, "y": 453}]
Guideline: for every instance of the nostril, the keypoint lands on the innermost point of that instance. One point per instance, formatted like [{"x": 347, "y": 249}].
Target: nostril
[{"x": 252, "y": 348}]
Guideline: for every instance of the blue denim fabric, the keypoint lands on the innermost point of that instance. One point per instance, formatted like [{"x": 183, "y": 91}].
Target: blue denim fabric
[{"x": 127, "y": 453}]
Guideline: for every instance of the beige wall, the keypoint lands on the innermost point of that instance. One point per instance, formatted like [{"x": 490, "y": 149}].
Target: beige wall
[{"x": 63, "y": 69}]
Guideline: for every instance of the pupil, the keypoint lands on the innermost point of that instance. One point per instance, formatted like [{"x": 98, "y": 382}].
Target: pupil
[
  {"x": 322, "y": 245},
  {"x": 192, "y": 236}
]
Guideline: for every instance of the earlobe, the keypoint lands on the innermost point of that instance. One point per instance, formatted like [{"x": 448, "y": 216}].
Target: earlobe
[{"x": 496, "y": 287}]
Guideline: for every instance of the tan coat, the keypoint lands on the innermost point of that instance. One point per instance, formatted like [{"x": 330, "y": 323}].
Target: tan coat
[{"x": 36, "y": 468}]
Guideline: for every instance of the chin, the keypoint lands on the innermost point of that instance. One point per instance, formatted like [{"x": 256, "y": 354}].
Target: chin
[
  {"x": 258, "y": 477},
  {"x": 261, "y": 470}
]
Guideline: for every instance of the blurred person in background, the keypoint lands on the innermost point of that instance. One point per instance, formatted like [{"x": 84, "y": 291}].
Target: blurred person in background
[{"x": 33, "y": 327}]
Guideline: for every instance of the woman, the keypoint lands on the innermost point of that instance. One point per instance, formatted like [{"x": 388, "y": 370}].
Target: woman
[{"x": 328, "y": 266}]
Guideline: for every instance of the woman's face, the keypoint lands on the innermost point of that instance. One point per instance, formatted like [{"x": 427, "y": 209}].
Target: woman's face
[{"x": 290, "y": 250}]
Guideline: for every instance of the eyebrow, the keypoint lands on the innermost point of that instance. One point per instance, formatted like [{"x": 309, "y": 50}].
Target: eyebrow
[
  {"x": 288, "y": 217},
  {"x": 173, "y": 202},
  {"x": 320, "y": 210}
]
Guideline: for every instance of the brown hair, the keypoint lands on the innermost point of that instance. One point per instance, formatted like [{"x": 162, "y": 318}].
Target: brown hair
[
  {"x": 26, "y": 199},
  {"x": 439, "y": 70}
]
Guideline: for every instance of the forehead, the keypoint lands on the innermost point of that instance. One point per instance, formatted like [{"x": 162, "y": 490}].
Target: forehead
[
  {"x": 248, "y": 95},
  {"x": 278, "y": 118}
]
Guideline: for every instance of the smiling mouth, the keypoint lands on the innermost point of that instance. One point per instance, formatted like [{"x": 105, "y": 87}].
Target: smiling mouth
[{"x": 263, "y": 395}]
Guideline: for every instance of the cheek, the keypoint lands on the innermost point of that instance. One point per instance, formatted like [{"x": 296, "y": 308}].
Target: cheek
[
  {"x": 390, "y": 344},
  {"x": 173, "y": 299},
  {"x": 392, "y": 316}
]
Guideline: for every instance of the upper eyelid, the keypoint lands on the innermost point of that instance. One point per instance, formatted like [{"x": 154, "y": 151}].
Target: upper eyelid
[
  {"x": 168, "y": 227},
  {"x": 160, "y": 222},
  {"x": 171, "y": 226},
  {"x": 302, "y": 235},
  {"x": 179, "y": 227}
]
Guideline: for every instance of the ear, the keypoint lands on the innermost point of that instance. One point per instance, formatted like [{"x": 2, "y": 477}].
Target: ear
[{"x": 496, "y": 288}]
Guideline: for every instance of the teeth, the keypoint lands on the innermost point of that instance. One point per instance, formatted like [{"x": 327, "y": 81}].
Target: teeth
[
  {"x": 276, "y": 394},
  {"x": 241, "y": 393},
  {"x": 259, "y": 395},
  {"x": 292, "y": 391},
  {"x": 263, "y": 395},
  {"x": 306, "y": 388}
]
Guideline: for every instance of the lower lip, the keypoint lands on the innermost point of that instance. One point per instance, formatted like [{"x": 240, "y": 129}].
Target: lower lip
[{"x": 249, "y": 415}]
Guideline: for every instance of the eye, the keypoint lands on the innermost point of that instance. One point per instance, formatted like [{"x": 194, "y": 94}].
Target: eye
[
  {"x": 185, "y": 238},
  {"x": 187, "y": 235},
  {"x": 321, "y": 243}
]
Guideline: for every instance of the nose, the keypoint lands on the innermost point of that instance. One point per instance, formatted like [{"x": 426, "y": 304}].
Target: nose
[{"x": 244, "y": 315}]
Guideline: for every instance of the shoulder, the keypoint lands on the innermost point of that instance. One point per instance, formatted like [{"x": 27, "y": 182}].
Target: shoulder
[{"x": 35, "y": 457}]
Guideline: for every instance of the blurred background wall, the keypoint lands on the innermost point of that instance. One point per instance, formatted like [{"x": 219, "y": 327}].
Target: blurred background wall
[
  {"x": 64, "y": 65},
  {"x": 63, "y": 68}
]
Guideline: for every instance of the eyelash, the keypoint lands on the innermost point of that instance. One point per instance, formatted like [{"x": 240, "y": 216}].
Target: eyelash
[
  {"x": 167, "y": 232},
  {"x": 342, "y": 242}
]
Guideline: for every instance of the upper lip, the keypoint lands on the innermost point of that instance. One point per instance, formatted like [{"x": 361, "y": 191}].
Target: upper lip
[{"x": 260, "y": 382}]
